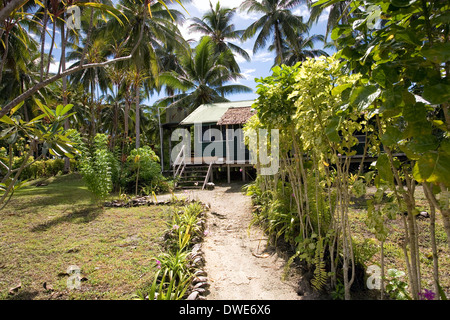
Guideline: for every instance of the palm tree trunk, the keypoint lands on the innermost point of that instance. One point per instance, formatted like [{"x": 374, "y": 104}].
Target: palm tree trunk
[
  {"x": 64, "y": 89},
  {"x": 43, "y": 34},
  {"x": 51, "y": 48},
  {"x": 278, "y": 47},
  {"x": 5, "y": 54},
  {"x": 93, "y": 111},
  {"x": 115, "y": 125},
  {"x": 10, "y": 7},
  {"x": 138, "y": 120},
  {"x": 126, "y": 115}
]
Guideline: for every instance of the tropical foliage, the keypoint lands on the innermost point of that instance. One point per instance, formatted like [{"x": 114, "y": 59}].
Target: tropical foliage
[
  {"x": 73, "y": 98},
  {"x": 388, "y": 83}
]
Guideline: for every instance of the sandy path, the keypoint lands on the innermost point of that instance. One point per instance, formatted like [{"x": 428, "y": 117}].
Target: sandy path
[{"x": 234, "y": 272}]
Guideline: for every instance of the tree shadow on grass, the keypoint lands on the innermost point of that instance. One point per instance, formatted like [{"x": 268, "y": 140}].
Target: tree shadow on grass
[
  {"x": 84, "y": 215},
  {"x": 23, "y": 295}
]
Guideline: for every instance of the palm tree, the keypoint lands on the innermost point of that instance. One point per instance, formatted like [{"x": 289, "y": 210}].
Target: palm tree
[
  {"x": 277, "y": 22},
  {"x": 91, "y": 79},
  {"x": 301, "y": 48},
  {"x": 217, "y": 24},
  {"x": 157, "y": 30},
  {"x": 16, "y": 44},
  {"x": 202, "y": 78},
  {"x": 169, "y": 60},
  {"x": 339, "y": 12}
]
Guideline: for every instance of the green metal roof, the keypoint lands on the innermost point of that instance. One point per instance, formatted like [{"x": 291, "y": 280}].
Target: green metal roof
[{"x": 211, "y": 113}]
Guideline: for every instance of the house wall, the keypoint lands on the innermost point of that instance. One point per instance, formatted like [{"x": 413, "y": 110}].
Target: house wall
[{"x": 219, "y": 143}]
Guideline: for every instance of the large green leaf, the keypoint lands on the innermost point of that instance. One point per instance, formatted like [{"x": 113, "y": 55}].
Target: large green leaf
[
  {"x": 384, "y": 168},
  {"x": 362, "y": 97},
  {"x": 339, "y": 31},
  {"x": 332, "y": 129},
  {"x": 338, "y": 90},
  {"x": 438, "y": 53},
  {"x": 385, "y": 75},
  {"x": 433, "y": 167},
  {"x": 391, "y": 136},
  {"x": 423, "y": 143},
  {"x": 437, "y": 93},
  {"x": 415, "y": 113}
]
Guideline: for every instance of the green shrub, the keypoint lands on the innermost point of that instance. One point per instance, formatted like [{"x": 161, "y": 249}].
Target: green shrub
[
  {"x": 38, "y": 169},
  {"x": 143, "y": 172},
  {"x": 96, "y": 166},
  {"x": 54, "y": 166}
]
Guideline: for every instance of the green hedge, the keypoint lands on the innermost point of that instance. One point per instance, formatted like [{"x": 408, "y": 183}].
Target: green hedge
[{"x": 43, "y": 168}]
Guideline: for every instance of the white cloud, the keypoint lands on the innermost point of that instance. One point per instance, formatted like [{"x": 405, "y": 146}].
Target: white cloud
[
  {"x": 264, "y": 56},
  {"x": 188, "y": 34},
  {"x": 302, "y": 11},
  {"x": 324, "y": 16},
  {"x": 50, "y": 29},
  {"x": 203, "y": 5},
  {"x": 244, "y": 15},
  {"x": 47, "y": 44},
  {"x": 54, "y": 67},
  {"x": 247, "y": 73}
]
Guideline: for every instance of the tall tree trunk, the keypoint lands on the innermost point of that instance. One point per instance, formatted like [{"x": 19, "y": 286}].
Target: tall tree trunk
[
  {"x": 433, "y": 241},
  {"x": 278, "y": 47},
  {"x": 115, "y": 126},
  {"x": 5, "y": 55},
  {"x": 43, "y": 35},
  {"x": 138, "y": 120},
  {"x": 93, "y": 111},
  {"x": 66, "y": 169},
  {"x": 126, "y": 118},
  {"x": 51, "y": 48},
  {"x": 9, "y": 7}
]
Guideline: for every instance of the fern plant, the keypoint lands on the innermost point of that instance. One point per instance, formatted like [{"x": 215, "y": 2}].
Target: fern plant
[
  {"x": 320, "y": 273},
  {"x": 96, "y": 166}
]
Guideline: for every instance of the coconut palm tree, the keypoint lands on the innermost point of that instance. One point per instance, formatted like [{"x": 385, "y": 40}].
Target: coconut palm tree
[
  {"x": 300, "y": 48},
  {"x": 202, "y": 79},
  {"x": 93, "y": 79},
  {"x": 216, "y": 24},
  {"x": 277, "y": 23},
  {"x": 339, "y": 12},
  {"x": 157, "y": 31},
  {"x": 16, "y": 44}
]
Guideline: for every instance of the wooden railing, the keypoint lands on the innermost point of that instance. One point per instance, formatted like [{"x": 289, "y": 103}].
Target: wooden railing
[
  {"x": 208, "y": 174},
  {"x": 180, "y": 163}
]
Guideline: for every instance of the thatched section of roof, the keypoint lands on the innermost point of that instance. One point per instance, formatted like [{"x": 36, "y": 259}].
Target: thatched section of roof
[{"x": 236, "y": 116}]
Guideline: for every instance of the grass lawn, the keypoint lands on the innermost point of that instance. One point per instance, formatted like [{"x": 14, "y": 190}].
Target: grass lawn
[{"x": 46, "y": 229}]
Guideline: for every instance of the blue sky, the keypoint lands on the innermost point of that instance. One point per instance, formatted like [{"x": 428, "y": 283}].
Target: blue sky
[{"x": 262, "y": 61}]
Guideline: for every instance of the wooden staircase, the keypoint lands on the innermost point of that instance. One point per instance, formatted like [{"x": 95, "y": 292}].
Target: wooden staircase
[
  {"x": 190, "y": 176},
  {"x": 194, "y": 177}
]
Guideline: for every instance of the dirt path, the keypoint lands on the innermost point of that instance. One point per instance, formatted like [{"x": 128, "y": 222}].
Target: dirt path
[{"x": 238, "y": 265}]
